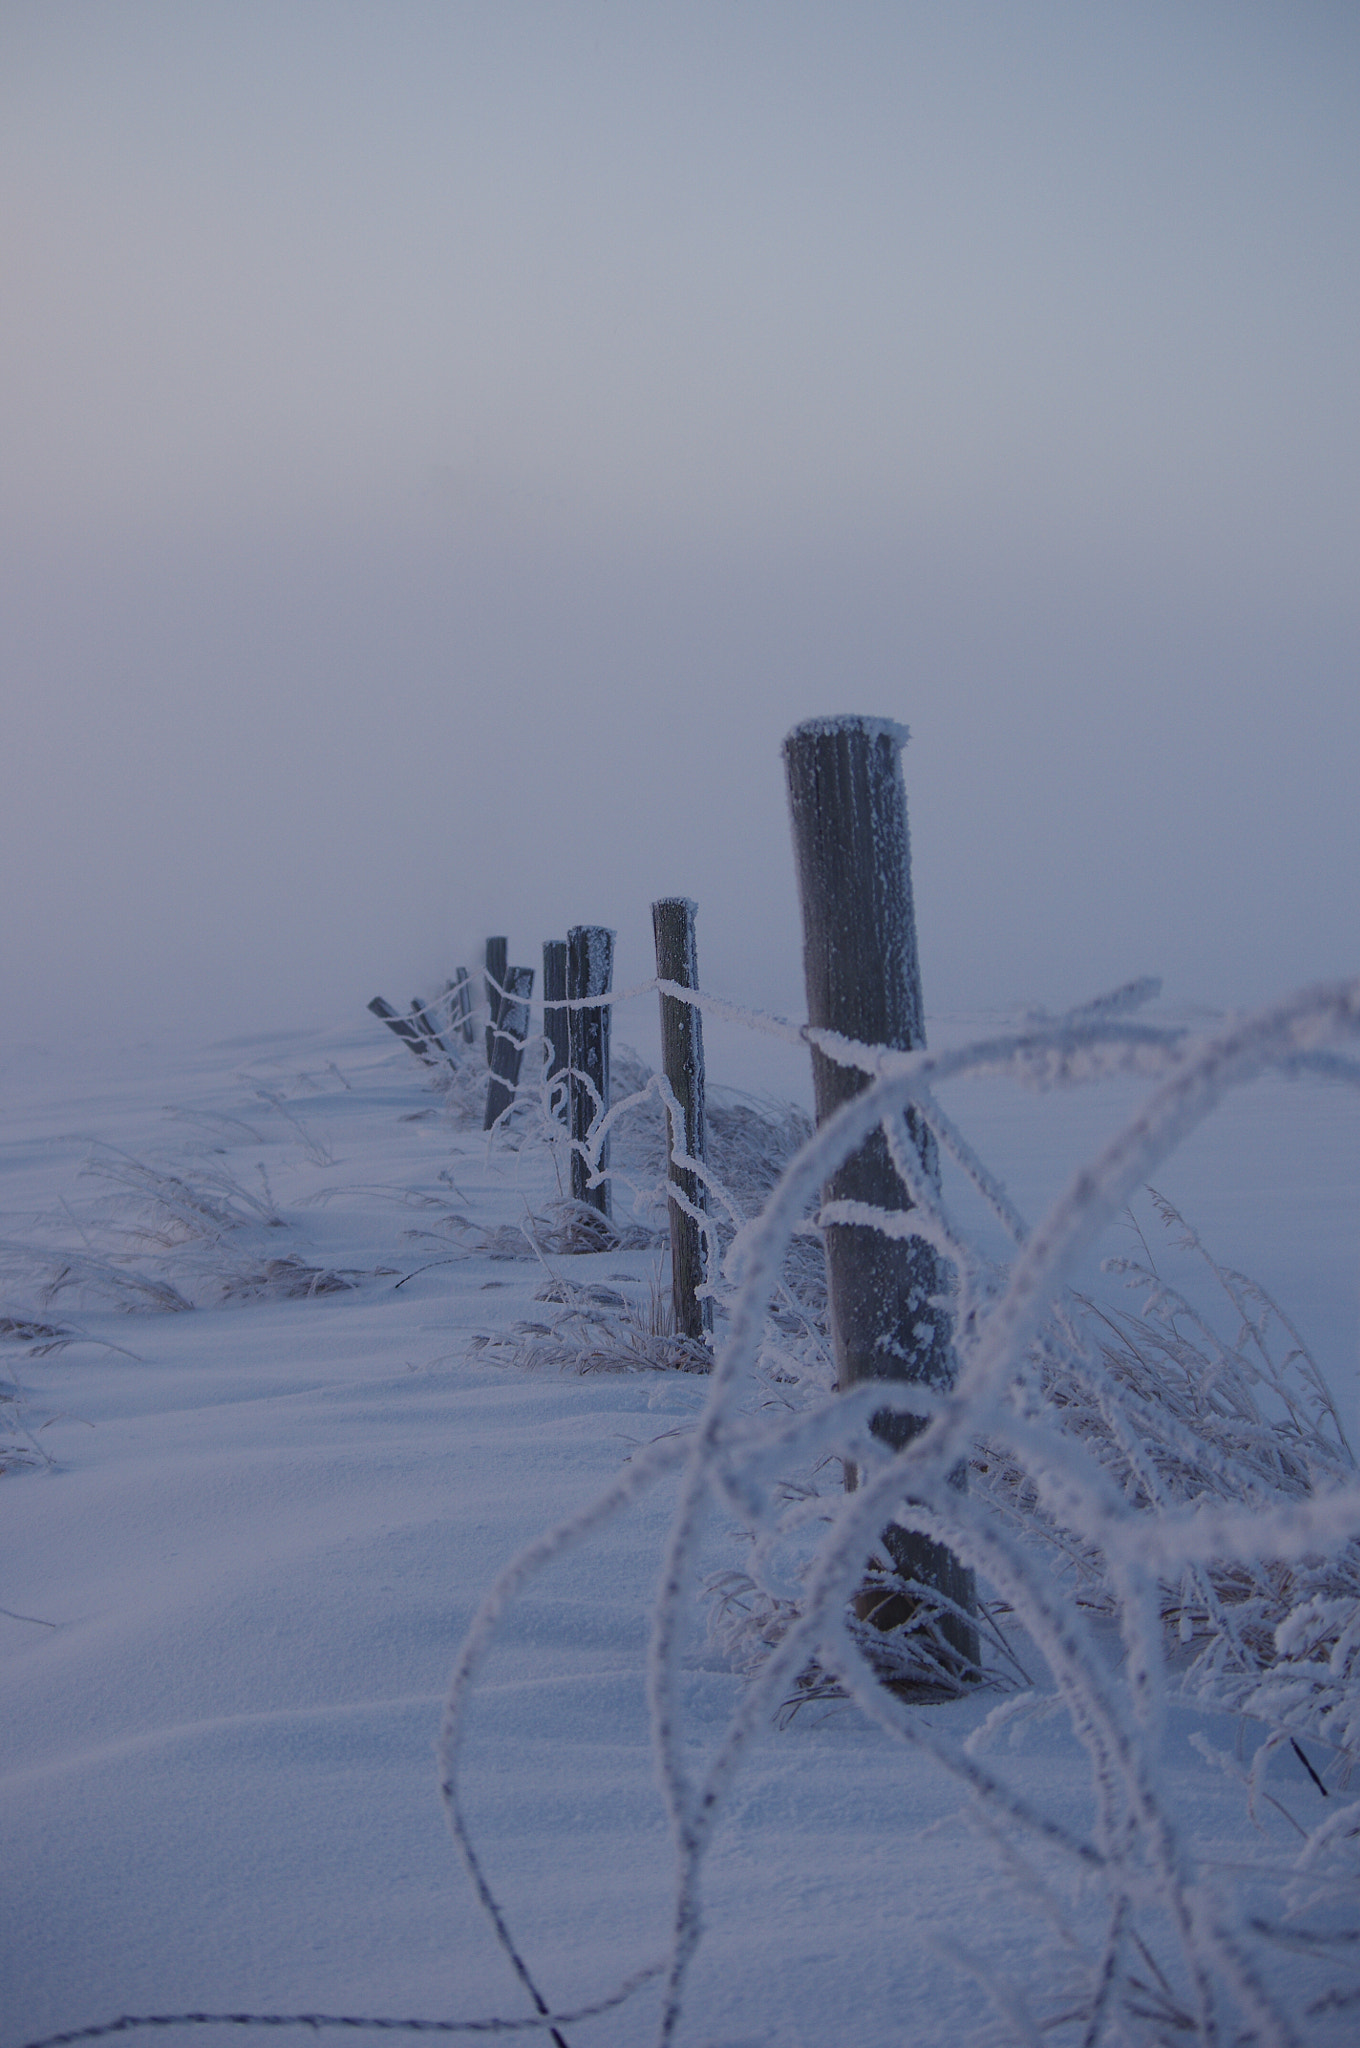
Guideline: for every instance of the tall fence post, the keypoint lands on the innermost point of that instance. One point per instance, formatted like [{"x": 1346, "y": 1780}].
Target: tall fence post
[
  {"x": 848, "y": 806},
  {"x": 556, "y": 1019},
  {"x": 590, "y": 969},
  {"x": 682, "y": 1061},
  {"x": 507, "y": 1051},
  {"x": 497, "y": 953}
]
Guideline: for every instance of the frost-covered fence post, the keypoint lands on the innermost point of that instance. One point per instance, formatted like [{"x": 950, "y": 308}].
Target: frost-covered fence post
[
  {"x": 497, "y": 953},
  {"x": 590, "y": 969},
  {"x": 848, "y": 805},
  {"x": 682, "y": 1061},
  {"x": 424, "y": 1020},
  {"x": 404, "y": 1028},
  {"x": 460, "y": 990},
  {"x": 556, "y": 1017},
  {"x": 507, "y": 1052}
]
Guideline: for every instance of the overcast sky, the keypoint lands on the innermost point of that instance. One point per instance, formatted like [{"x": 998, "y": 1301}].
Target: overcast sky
[{"x": 444, "y": 447}]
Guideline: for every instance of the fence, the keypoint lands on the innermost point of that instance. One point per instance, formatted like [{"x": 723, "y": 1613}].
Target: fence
[{"x": 1212, "y": 1523}]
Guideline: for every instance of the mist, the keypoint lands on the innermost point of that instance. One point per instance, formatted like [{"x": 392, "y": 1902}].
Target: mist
[{"x": 445, "y": 449}]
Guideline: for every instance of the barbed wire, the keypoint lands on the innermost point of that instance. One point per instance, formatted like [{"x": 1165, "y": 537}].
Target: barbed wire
[
  {"x": 913, "y": 1488},
  {"x": 544, "y": 2022}
]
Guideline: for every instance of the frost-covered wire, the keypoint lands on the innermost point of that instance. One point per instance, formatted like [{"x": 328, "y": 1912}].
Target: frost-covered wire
[{"x": 1064, "y": 1460}]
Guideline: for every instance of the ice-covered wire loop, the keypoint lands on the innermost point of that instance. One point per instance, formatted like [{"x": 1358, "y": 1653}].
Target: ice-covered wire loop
[{"x": 1145, "y": 1535}]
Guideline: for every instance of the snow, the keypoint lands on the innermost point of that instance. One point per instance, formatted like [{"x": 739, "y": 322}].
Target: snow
[
  {"x": 851, "y": 722},
  {"x": 233, "y": 1598}
]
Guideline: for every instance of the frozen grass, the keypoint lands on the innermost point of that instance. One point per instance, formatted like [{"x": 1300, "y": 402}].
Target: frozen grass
[
  {"x": 19, "y": 1447},
  {"x": 594, "y": 1329},
  {"x": 167, "y": 1240},
  {"x": 1183, "y": 1414}
]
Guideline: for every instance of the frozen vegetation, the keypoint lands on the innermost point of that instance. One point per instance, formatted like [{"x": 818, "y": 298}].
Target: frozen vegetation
[{"x": 358, "y": 1491}]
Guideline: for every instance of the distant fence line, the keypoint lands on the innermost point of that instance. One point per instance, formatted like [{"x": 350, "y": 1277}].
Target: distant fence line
[
  {"x": 886, "y": 1240},
  {"x": 848, "y": 809}
]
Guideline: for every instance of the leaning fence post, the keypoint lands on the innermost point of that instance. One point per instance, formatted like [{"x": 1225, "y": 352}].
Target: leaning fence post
[
  {"x": 590, "y": 969},
  {"x": 497, "y": 953},
  {"x": 848, "y": 805},
  {"x": 682, "y": 1060},
  {"x": 425, "y": 1020},
  {"x": 507, "y": 1052},
  {"x": 556, "y": 1021},
  {"x": 460, "y": 989},
  {"x": 404, "y": 1028}
]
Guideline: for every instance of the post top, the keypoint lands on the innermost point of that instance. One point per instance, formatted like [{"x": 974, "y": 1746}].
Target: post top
[{"x": 848, "y": 722}]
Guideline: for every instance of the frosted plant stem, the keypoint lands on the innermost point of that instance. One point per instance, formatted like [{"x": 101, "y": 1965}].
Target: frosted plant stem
[{"x": 1106, "y": 1975}]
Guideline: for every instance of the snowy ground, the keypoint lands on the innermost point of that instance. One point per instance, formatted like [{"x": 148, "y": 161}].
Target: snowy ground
[{"x": 232, "y": 1598}]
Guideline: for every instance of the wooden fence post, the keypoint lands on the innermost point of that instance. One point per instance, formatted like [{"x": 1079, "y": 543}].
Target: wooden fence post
[
  {"x": 507, "y": 1052},
  {"x": 497, "y": 953},
  {"x": 556, "y": 1019},
  {"x": 425, "y": 1021},
  {"x": 460, "y": 991},
  {"x": 404, "y": 1028},
  {"x": 590, "y": 969},
  {"x": 848, "y": 805},
  {"x": 682, "y": 1060}
]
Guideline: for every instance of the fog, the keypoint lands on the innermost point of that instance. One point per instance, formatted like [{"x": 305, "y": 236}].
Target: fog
[{"x": 445, "y": 447}]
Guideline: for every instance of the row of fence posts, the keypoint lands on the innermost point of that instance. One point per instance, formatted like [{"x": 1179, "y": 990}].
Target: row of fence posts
[{"x": 887, "y": 1295}]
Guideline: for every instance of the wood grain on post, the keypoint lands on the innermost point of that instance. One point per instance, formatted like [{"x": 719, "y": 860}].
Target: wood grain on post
[
  {"x": 682, "y": 1060},
  {"x": 507, "y": 1051},
  {"x": 848, "y": 805},
  {"x": 460, "y": 989},
  {"x": 590, "y": 970},
  {"x": 556, "y": 1022},
  {"x": 497, "y": 953}
]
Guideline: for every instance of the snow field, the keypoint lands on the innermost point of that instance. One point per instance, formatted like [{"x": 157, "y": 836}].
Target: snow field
[{"x": 247, "y": 1571}]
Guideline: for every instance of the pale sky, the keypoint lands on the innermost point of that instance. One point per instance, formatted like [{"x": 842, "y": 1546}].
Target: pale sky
[{"x": 443, "y": 448}]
